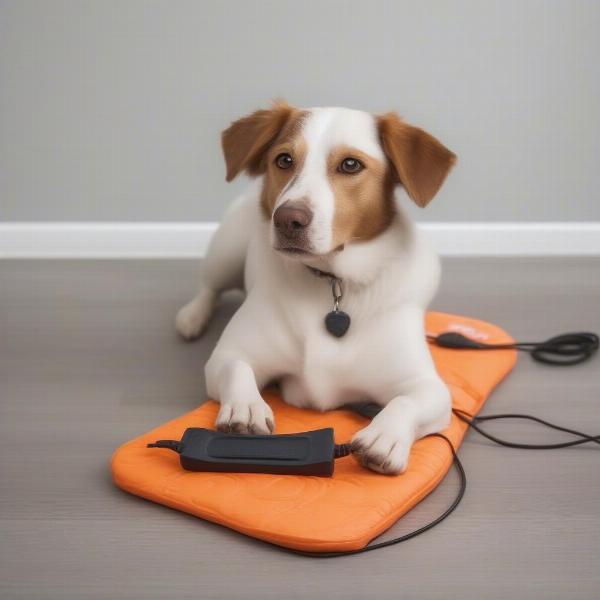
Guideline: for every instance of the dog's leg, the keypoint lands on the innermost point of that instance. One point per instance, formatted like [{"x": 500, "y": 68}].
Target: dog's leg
[
  {"x": 223, "y": 268},
  {"x": 243, "y": 410},
  {"x": 250, "y": 353},
  {"x": 192, "y": 318},
  {"x": 423, "y": 408}
]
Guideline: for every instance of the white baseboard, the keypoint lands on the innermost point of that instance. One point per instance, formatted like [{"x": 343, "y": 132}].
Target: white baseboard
[{"x": 187, "y": 240}]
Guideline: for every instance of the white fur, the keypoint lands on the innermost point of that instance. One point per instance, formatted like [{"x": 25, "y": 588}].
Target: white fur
[{"x": 278, "y": 332}]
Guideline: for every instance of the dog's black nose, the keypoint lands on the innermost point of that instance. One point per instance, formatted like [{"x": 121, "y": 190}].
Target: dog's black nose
[{"x": 291, "y": 219}]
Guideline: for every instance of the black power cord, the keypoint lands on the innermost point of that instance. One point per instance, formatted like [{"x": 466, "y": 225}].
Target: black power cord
[
  {"x": 474, "y": 420},
  {"x": 562, "y": 350}
]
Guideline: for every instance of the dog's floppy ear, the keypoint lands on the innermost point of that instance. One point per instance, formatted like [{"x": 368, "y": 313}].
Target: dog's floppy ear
[
  {"x": 246, "y": 140},
  {"x": 421, "y": 162}
]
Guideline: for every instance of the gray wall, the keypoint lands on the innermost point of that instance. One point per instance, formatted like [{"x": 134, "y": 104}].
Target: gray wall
[{"x": 111, "y": 110}]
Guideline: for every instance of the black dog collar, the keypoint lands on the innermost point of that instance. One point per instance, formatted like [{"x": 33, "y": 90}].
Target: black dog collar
[{"x": 337, "y": 322}]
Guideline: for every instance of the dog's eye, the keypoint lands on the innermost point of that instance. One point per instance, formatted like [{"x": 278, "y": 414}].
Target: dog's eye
[
  {"x": 284, "y": 161},
  {"x": 350, "y": 166}
]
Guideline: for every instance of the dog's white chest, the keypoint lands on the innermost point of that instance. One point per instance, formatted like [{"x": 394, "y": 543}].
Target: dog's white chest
[{"x": 324, "y": 377}]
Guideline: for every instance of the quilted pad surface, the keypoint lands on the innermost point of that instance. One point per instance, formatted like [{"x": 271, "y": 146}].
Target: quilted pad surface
[{"x": 344, "y": 512}]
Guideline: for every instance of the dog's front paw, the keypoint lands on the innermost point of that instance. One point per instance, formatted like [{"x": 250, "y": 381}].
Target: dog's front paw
[
  {"x": 252, "y": 417},
  {"x": 383, "y": 448}
]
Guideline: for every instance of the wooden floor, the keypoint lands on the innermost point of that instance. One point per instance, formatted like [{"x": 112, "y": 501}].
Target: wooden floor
[{"x": 89, "y": 359}]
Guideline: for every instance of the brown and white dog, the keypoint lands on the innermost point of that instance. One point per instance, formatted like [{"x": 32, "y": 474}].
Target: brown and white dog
[{"x": 324, "y": 203}]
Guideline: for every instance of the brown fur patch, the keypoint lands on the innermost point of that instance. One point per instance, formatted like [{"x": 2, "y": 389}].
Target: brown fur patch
[
  {"x": 246, "y": 141},
  {"x": 364, "y": 201},
  {"x": 420, "y": 161},
  {"x": 290, "y": 141}
]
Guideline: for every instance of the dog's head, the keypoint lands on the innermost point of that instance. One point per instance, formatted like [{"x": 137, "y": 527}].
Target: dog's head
[{"x": 329, "y": 173}]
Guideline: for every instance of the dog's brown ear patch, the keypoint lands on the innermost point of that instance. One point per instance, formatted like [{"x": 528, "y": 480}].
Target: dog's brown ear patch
[
  {"x": 246, "y": 140},
  {"x": 421, "y": 162}
]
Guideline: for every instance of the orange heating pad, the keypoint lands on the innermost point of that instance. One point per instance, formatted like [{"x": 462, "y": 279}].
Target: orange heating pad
[{"x": 341, "y": 513}]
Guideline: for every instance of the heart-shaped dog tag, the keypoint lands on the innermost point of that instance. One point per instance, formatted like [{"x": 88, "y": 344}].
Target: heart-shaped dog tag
[{"x": 337, "y": 322}]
